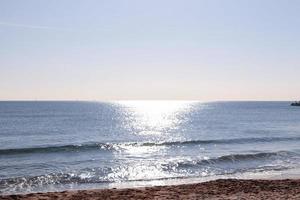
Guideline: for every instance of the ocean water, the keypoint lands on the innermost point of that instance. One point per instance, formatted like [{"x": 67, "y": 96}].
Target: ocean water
[{"x": 50, "y": 146}]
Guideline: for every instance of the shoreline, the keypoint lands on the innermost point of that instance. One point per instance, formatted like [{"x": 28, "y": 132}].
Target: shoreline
[{"x": 216, "y": 189}]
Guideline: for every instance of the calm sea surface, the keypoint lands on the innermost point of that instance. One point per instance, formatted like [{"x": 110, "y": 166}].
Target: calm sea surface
[{"x": 48, "y": 146}]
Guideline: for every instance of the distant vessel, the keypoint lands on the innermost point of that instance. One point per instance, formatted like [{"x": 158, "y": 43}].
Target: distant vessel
[{"x": 296, "y": 103}]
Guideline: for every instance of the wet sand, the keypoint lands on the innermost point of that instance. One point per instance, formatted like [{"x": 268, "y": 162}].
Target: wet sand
[{"x": 219, "y": 189}]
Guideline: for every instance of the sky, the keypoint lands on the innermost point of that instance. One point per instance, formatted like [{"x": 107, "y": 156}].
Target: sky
[{"x": 203, "y": 50}]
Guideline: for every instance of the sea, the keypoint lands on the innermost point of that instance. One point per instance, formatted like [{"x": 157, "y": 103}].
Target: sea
[{"x": 65, "y": 145}]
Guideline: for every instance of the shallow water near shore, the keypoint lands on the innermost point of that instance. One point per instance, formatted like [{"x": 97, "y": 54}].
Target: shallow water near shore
[{"x": 50, "y": 146}]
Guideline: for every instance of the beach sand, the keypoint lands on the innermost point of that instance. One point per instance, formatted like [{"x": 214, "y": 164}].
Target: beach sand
[{"x": 218, "y": 189}]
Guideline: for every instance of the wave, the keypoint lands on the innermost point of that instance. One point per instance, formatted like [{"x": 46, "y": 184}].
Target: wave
[
  {"x": 32, "y": 183},
  {"x": 105, "y": 175},
  {"x": 63, "y": 148},
  {"x": 237, "y": 158},
  {"x": 120, "y": 146},
  {"x": 229, "y": 141}
]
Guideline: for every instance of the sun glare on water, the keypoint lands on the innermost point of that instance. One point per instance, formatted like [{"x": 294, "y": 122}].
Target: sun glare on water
[
  {"x": 152, "y": 117},
  {"x": 156, "y": 122}
]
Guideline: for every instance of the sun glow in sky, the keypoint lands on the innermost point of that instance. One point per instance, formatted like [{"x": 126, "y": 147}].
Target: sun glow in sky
[{"x": 149, "y": 50}]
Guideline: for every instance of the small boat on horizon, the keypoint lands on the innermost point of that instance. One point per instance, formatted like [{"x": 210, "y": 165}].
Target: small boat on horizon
[{"x": 296, "y": 103}]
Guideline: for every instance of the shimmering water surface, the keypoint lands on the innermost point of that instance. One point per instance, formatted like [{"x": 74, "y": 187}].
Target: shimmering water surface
[{"x": 48, "y": 146}]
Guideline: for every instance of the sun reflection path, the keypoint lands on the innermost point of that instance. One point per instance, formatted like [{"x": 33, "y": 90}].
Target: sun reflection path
[
  {"x": 153, "y": 117},
  {"x": 153, "y": 122}
]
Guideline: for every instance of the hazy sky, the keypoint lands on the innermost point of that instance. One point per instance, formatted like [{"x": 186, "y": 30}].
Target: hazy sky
[{"x": 158, "y": 49}]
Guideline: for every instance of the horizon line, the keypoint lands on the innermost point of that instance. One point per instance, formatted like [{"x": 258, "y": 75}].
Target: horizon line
[{"x": 120, "y": 100}]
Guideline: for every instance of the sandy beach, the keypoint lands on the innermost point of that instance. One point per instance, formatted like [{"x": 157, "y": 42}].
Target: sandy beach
[{"x": 218, "y": 189}]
